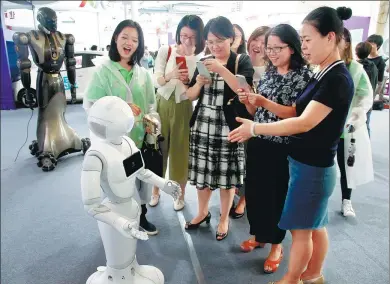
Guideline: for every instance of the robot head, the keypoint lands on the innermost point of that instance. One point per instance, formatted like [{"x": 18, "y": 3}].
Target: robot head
[
  {"x": 110, "y": 118},
  {"x": 47, "y": 18}
]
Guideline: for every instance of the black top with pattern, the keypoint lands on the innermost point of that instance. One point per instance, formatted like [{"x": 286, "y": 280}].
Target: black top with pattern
[{"x": 281, "y": 89}]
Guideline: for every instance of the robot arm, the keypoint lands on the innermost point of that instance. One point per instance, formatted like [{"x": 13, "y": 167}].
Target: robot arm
[
  {"x": 90, "y": 189},
  {"x": 70, "y": 63},
  {"x": 22, "y": 41},
  {"x": 168, "y": 186}
]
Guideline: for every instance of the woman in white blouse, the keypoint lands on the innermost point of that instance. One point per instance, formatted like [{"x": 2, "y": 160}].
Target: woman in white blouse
[{"x": 174, "y": 68}]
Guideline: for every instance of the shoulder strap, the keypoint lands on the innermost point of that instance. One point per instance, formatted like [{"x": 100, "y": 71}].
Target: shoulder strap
[
  {"x": 236, "y": 66},
  {"x": 169, "y": 52}
]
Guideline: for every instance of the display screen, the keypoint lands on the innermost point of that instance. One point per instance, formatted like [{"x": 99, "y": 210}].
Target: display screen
[{"x": 133, "y": 163}]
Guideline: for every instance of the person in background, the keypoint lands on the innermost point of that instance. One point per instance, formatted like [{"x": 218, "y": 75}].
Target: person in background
[
  {"x": 108, "y": 48},
  {"x": 321, "y": 112},
  {"x": 94, "y": 47},
  {"x": 239, "y": 43},
  {"x": 121, "y": 76},
  {"x": 259, "y": 61},
  {"x": 267, "y": 172},
  {"x": 361, "y": 171},
  {"x": 214, "y": 162},
  {"x": 363, "y": 50},
  {"x": 376, "y": 42},
  {"x": 171, "y": 80},
  {"x": 145, "y": 59}
]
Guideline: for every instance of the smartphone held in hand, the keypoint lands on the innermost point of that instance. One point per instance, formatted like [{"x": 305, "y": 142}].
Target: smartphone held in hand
[
  {"x": 242, "y": 84},
  {"x": 203, "y": 70},
  {"x": 182, "y": 60}
]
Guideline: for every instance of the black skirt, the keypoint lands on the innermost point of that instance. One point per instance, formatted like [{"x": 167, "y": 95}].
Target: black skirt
[{"x": 266, "y": 185}]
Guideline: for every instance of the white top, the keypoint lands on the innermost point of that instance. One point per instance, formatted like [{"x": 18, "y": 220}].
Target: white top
[{"x": 163, "y": 67}]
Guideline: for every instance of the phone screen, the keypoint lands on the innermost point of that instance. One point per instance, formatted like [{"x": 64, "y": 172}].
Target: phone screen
[
  {"x": 181, "y": 59},
  {"x": 203, "y": 70},
  {"x": 242, "y": 81},
  {"x": 133, "y": 163}
]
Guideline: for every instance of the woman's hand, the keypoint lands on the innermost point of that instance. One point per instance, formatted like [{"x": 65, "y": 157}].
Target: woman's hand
[
  {"x": 201, "y": 81},
  {"x": 176, "y": 73},
  {"x": 243, "y": 132},
  {"x": 136, "y": 109},
  {"x": 256, "y": 100},
  {"x": 242, "y": 96},
  {"x": 213, "y": 65}
]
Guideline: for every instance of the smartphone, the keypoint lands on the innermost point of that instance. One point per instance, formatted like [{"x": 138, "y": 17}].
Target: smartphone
[
  {"x": 242, "y": 84},
  {"x": 181, "y": 59},
  {"x": 133, "y": 164},
  {"x": 203, "y": 70}
]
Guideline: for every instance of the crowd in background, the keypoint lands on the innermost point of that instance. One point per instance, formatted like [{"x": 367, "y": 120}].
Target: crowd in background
[{"x": 272, "y": 115}]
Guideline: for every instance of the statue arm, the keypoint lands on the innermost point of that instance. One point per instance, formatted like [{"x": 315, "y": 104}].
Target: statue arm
[
  {"x": 22, "y": 40},
  {"x": 70, "y": 63}
]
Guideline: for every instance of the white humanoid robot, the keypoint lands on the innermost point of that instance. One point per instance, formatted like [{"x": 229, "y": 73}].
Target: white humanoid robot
[{"x": 111, "y": 165}]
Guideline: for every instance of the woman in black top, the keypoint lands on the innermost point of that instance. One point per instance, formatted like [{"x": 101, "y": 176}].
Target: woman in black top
[
  {"x": 266, "y": 179},
  {"x": 321, "y": 111}
]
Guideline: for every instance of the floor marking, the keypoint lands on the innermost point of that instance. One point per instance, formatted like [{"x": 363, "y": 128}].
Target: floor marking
[{"x": 191, "y": 249}]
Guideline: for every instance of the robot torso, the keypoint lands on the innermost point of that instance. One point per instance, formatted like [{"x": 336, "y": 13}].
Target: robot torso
[
  {"x": 48, "y": 50},
  {"x": 118, "y": 177}
]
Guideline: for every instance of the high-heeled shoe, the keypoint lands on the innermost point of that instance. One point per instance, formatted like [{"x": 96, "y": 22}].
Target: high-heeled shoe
[
  {"x": 220, "y": 236},
  {"x": 190, "y": 226}
]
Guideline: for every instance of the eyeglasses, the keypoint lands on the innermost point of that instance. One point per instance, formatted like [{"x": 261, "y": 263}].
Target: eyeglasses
[
  {"x": 276, "y": 50},
  {"x": 185, "y": 37}
]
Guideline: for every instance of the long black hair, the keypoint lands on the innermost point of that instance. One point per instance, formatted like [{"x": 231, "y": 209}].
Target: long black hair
[
  {"x": 138, "y": 54},
  {"x": 194, "y": 23},
  {"x": 289, "y": 36}
]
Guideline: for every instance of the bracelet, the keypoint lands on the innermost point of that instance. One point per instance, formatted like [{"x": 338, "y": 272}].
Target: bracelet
[{"x": 253, "y": 129}]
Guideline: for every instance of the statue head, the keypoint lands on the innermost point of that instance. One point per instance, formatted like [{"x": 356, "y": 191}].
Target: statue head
[{"x": 47, "y": 18}]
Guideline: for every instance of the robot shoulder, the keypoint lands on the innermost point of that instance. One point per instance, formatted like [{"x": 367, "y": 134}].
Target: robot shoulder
[
  {"x": 93, "y": 161},
  {"x": 69, "y": 38},
  {"x": 21, "y": 38}
]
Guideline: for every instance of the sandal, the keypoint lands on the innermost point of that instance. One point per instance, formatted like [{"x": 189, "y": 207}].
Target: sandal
[
  {"x": 274, "y": 264},
  {"x": 250, "y": 245},
  {"x": 319, "y": 280},
  {"x": 300, "y": 282}
]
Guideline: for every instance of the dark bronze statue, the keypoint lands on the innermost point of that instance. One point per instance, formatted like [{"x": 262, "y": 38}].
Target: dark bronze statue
[{"x": 49, "y": 49}]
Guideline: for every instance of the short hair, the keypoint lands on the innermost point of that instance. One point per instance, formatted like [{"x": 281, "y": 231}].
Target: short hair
[
  {"x": 260, "y": 31},
  {"x": 138, "y": 54},
  {"x": 94, "y": 47},
  {"x": 194, "y": 23},
  {"x": 242, "y": 47},
  {"x": 348, "y": 56},
  {"x": 289, "y": 36},
  {"x": 221, "y": 27},
  {"x": 377, "y": 39},
  {"x": 326, "y": 20},
  {"x": 363, "y": 50}
]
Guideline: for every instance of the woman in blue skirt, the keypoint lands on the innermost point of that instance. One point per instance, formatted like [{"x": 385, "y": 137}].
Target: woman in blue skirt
[{"x": 321, "y": 111}]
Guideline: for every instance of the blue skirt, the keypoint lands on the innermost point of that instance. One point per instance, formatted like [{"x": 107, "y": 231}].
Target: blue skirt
[{"x": 309, "y": 189}]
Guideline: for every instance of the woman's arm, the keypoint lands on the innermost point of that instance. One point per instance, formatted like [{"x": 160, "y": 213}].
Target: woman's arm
[
  {"x": 277, "y": 109},
  {"x": 193, "y": 92},
  {"x": 314, "y": 113},
  {"x": 159, "y": 67}
]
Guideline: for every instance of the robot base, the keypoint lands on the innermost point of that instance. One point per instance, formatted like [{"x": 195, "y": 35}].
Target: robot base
[{"x": 133, "y": 274}]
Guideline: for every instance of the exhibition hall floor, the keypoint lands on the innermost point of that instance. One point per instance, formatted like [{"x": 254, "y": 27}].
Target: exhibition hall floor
[{"x": 47, "y": 237}]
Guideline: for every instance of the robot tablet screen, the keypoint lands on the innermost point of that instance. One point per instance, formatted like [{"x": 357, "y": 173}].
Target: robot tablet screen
[{"x": 133, "y": 163}]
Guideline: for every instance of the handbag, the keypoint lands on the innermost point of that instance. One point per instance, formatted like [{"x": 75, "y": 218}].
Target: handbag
[{"x": 153, "y": 157}]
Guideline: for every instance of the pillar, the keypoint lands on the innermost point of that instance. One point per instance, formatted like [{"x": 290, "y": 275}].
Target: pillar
[
  {"x": 383, "y": 18},
  {"x": 134, "y": 10}
]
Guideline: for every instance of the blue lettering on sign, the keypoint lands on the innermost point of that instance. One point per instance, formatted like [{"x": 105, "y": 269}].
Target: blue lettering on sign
[{"x": 67, "y": 84}]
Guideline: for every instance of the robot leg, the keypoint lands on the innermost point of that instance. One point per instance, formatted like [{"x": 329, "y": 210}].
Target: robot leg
[{"x": 55, "y": 138}]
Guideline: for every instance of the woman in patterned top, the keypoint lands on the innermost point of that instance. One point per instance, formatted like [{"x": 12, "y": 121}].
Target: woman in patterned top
[
  {"x": 214, "y": 162},
  {"x": 267, "y": 171}
]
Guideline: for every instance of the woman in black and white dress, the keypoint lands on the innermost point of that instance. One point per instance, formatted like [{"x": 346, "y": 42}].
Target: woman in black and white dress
[{"x": 215, "y": 162}]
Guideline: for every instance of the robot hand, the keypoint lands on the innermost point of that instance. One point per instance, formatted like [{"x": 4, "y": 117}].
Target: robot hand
[
  {"x": 172, "y": 188},
  {"x": 129, "y": 229}
]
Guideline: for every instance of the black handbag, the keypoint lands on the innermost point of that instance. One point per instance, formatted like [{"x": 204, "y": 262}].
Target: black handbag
[{"x": 153, "y": 157}]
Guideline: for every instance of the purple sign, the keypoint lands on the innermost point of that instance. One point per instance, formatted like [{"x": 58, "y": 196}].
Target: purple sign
[{"x": 357, "y": 23}]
